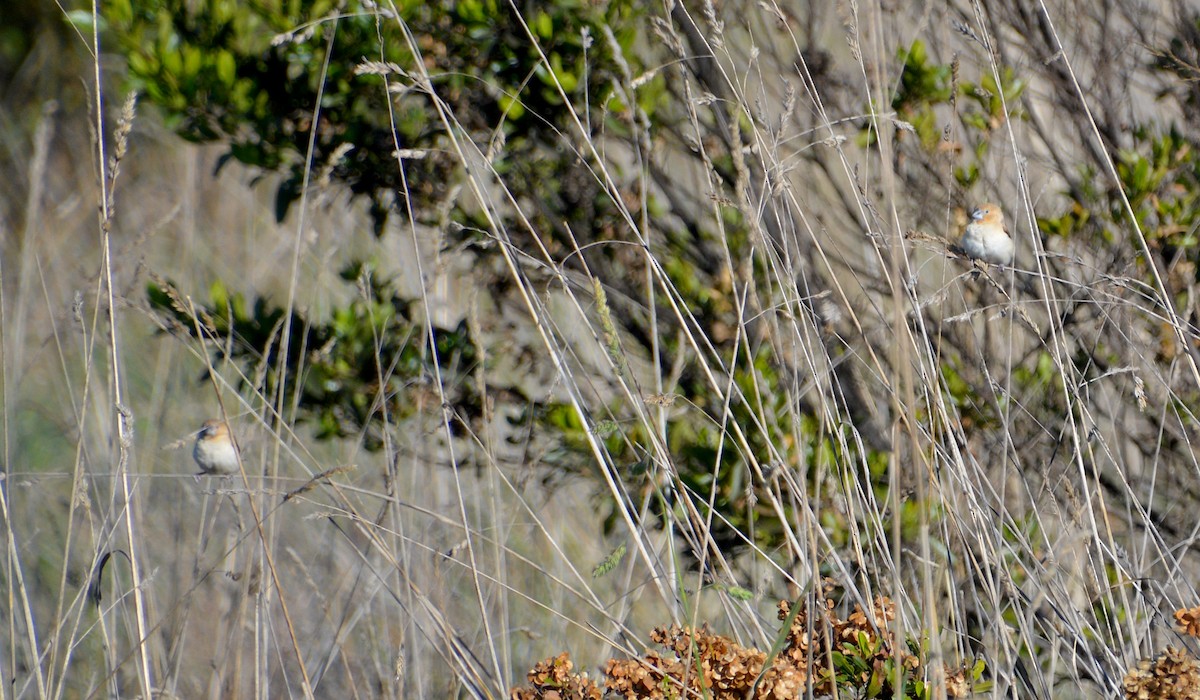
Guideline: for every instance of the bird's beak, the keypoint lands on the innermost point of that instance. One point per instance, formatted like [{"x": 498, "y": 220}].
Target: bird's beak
[{"x": 976, "y": 215}]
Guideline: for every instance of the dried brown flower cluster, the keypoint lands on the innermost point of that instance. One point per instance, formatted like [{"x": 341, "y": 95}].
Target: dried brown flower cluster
[
  {"x": 698, "y": 663},
  {"x": 701, "y": 661},
  {"x": 552, "y": 680},
  {"x": 1174, "y": 675},
  {"x": 958, "y": 683},
  {"x": 1189, "y": 620}
]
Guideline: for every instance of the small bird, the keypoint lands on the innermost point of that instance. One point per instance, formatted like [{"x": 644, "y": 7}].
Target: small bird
[
  {"x": 215, "y": 450},
  {"x": 986, "y": 239}
]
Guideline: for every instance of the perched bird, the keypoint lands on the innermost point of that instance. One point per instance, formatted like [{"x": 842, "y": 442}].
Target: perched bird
[
  {"x": 985, "y": 237},
  {"x": 215, "y": 451}
]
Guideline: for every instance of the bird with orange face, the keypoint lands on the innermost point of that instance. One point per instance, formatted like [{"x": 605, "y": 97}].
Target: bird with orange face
[
  {"x": 985, "y": 237},
  {"x": 215, "y": 450}
]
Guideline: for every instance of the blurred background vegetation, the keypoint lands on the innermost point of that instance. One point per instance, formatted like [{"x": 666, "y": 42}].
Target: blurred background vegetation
[{"x": 558, "y": 321}]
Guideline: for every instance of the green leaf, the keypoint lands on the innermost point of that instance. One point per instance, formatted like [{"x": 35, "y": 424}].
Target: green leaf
[
  {"x": 219, "y": 295},
  {"x": 172, "y": 63},
  {"x": 543, "y": 25},
  {"x": 511, "y": 106},
  {"x": 565, "y": 78},
  {"x": 226, "y": 67}
]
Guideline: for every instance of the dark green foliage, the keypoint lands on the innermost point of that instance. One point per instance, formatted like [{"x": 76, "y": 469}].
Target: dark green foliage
[
  {"x": 254, "y": 74},
  {"x": 923, "y": 84},
  {"x": 1160, "y": 177},
  {"x": 925, "y": 92}
]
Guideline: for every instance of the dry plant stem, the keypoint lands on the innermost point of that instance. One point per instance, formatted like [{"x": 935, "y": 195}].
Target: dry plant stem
[
  {"x": 461, "y": 661},
  {"x": 903, "y": 395},
  {"x": 717, "y": 68},
  {"x": 12, "y": 329},
  {"x": 222, "y": 387},
  {"x": 12, "y": 332},
  {"x": 700, "y": 346},
  {"x": 658, "y": 424},
  {"x": 121, "y": 414},
  {"x": 476, "y": 159},
  {"x": 281, "y": 386},
  {"x": 536, "y": 311},
  {"x": 1163, "y": 301},
  {"x": 1058, "y": 342},
  {"x": 258, "y": 525},
  {"x": 784, "y": 275}
]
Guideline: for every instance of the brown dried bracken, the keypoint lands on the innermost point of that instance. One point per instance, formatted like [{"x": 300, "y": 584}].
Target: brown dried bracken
[
  {"x": 1174, "y": 675},
  {"x": 1189, "y": 620}
]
